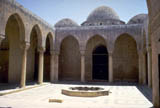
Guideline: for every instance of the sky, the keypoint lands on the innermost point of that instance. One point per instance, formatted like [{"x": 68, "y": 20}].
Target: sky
[{"x": 78, "y": 10}]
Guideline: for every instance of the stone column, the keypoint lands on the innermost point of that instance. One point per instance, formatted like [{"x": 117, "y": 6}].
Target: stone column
[
  {"x": 144, "y": 73},
  {"x": 40, "y": 66},
  {"x": 140, "y": 66},
  {"x": 24, "y": 47},
  {"x": 52, "y": 66},
  {"x": 110, "y": 67},
  {"x": 82, "y": 66},
  {"x": 149, "y": 56},
  {"x": 56, "y": 66}
]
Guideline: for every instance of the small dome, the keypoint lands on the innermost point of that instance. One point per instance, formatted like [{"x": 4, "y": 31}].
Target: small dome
[
  {"x": 103, "y": 13},
  {"x": 66, "y": 23},
  {"x": 138, "y": 19}
]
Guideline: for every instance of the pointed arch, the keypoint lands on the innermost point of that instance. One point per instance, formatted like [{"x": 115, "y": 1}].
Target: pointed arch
[
  {"x": 92, "y": 43},
  {"x": 35, "y": 43},
  {"x": 10, "y": 49},
  {"x": 47, "y": 57},
  {"x": 96, "y": 36},
  {"x": 127, "y": 34},
  {"x": 39, "y": 37},
  {"x": 20, "y": 23},
  {"x": 68, "y": 36},
  {"x": 69, "y": 59},
  {"x": 125, "y": 59},
  {"x": 51, "y": 40}
]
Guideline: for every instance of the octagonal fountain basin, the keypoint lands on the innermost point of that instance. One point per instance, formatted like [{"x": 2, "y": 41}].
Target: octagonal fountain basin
[{"x": 85, "y": 91}]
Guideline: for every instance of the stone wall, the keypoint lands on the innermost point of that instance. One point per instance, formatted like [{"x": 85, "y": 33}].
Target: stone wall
[
  {"x": 69, "y": 60},
  {"x": 125, "y": 59},
  {"x": 154, "y": 34},
  {"x": 92, "y": 44}
]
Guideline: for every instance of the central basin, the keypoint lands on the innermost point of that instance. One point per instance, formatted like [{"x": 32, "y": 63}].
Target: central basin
[
  {"x": 86, "y": 88},
  {"x": 85, "y": 91}
]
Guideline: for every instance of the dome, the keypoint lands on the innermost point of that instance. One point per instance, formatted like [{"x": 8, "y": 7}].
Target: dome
[
  {"x": 102, "y": 16},
  {"x": 102, "y": 13},
  {"x": 66, "y": 23},
  {"x": 138, "y": 19}
]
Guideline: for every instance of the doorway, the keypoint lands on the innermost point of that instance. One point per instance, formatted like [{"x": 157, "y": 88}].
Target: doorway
[{"x": 100, "y": 63}]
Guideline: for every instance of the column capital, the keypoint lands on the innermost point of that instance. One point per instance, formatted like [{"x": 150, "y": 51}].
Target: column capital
[
  {"x": 41, "y": 49},
  {"x": 2, "y": 37},
  {"x": 25, "y": 45},
  {"x": 149, "y": 48},
  {"x": 141, "y": 52},
  {"x": 82, "y": 52},
  {"x": 53, "y": 52},
  {"x": 110, "y": 53}
]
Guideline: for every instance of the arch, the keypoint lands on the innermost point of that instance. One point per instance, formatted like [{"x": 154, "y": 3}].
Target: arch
[
  {"x": 69, "y": 35},
  {"x": 69, "y": 60},
  {"x": 47, "y": 57},
  {"x": 20, "y": 24},
  {"x": 129, "y": 34},
  {"x": 51, "y": 40},
  {"x": 35, "y": 43},
  {"x": 37, "y": 28},
  {"x": 92, "y": 43},
  {"x": 100, "y": 63},
  {"x": 94, "y": 36},
  {"x": 125, "y": 59},
  {"x": 10, "y": 50}
]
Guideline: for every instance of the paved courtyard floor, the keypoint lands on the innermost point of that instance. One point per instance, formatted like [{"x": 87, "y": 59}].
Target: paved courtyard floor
[{"x": 122, "y": 96}]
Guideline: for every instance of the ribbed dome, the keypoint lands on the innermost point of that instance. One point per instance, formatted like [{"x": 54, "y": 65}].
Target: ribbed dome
[
  {"x": 66, "y": 22},
  {"x": 138, "y": 19},
  {"x": 103, "y": 13}
]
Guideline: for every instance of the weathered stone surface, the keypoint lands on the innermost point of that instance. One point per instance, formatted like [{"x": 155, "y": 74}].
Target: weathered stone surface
[
  {"x": 138, "y": 19},
  {"x": 154, "y": 35},
  {"x": 103, "y": 27},
  {"x": 103, "y": 15}
]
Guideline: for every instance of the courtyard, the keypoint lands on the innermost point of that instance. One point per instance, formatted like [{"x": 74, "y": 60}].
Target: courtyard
[
  {"x": 98, "y": 46},
  {"x": 123, "y": 95}
]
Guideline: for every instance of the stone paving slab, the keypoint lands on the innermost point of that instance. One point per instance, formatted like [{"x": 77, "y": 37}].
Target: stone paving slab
[{"x": 121, "y": 97}]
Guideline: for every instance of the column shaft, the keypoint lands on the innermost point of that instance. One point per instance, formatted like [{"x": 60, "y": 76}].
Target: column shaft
[
  {"x": 82, "y": 68},
  {"x": 144, "y": 74},
  {"x": 149, "y": 69},
  {"x": 40, "y": 73},
  {"x": 56, "y": 66},
  {"x": 110, "y": 68},
  {"x": 52, "y": 68},
  {"x": 140, "y": 68},
  {"x": 23, "y": 71}
]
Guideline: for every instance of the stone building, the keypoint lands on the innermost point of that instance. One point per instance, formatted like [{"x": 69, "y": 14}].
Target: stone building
[
  {"x": 103, "y": 48},
  {"x": 153, "y": 47}
]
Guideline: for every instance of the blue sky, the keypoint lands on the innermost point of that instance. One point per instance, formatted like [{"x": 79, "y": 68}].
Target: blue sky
[{"x": 78, "y": 10}]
